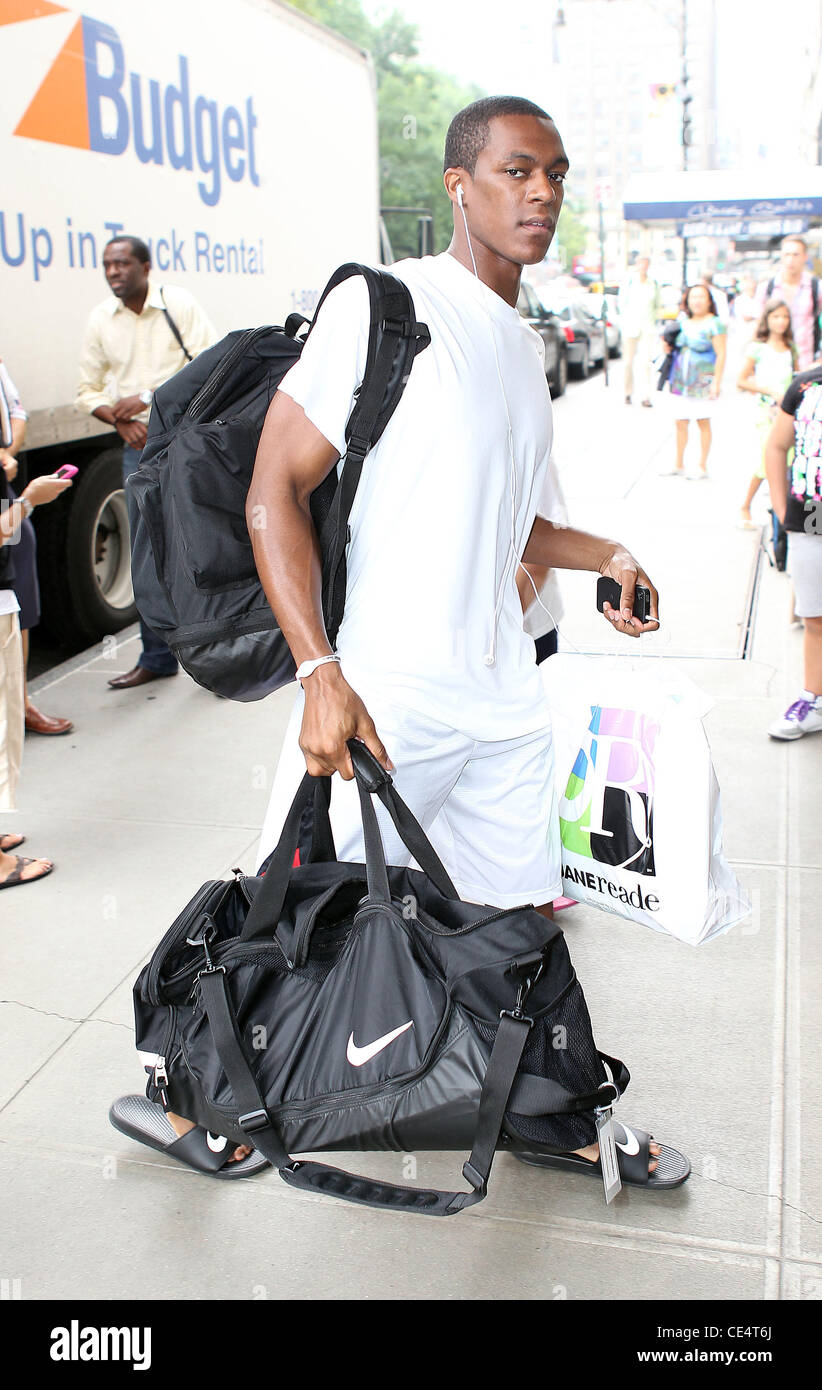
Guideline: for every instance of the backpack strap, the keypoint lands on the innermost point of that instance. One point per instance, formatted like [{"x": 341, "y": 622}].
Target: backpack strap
[
  {"x": 175, "y": 330},
  {"x": 394, "y": 339}
]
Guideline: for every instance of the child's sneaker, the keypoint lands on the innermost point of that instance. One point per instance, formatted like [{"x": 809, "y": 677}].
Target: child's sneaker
[{"x": 804, "y": 716}]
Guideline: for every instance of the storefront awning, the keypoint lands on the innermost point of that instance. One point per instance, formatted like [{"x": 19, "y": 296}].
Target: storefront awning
[{"x": 732, "y": 202}]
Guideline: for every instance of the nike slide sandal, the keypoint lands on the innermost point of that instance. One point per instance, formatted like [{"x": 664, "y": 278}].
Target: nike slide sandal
[
  {"x": 143, "y": 1120},
  {"x": 633, "y": 1154}
]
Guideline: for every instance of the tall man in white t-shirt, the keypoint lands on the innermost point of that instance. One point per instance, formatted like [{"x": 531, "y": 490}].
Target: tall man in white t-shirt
[
  {"x": 434, "y": 668},
  {"x": 432, "y": 664}
]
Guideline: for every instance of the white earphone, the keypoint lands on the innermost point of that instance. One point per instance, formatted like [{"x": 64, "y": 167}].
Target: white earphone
[{"x": 459, "y": 194}]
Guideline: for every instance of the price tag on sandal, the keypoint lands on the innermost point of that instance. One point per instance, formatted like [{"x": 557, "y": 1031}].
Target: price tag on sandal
[{"x": 609, "y": 1162}]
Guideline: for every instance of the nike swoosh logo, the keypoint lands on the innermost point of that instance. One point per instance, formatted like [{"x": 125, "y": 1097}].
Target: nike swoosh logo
[
  {"x": 358, "y": 1056},
  {"x": 216, "y": 1142},
  {"x": 632, "y": 1147}
]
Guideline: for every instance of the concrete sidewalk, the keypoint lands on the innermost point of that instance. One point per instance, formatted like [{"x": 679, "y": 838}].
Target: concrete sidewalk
[{"x": 160, "y": 788}]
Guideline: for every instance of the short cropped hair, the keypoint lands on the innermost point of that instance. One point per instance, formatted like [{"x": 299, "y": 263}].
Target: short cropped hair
[
  {"x": 139, "y": 250},
  {"x": 802, "y": 242},
  {"x": 468, "y": 133}
]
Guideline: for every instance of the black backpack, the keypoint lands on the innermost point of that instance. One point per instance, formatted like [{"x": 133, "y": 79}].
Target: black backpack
[{"x": 195, "y": 580}]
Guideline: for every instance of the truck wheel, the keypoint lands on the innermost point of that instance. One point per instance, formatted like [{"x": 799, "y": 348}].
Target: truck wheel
[{"x": 85, "y": 555}]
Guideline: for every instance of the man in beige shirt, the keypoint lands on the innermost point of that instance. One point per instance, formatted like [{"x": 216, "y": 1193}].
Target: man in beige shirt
[{"x": 135, "y": 340}]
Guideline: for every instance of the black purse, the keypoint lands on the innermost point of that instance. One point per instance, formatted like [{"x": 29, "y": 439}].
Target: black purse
[
  {"x": 340, "y": 1006},
  {"x": 670, "y": 333}
]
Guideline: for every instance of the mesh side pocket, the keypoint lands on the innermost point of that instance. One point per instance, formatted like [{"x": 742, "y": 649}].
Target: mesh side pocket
[{"x": 561, "y": 1048}]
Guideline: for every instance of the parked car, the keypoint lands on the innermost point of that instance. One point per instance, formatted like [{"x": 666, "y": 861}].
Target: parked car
[
  {"x": 596, "y": 303},
  {"x": 552, "y": 334},
  {"x": 584, "y": 334}
]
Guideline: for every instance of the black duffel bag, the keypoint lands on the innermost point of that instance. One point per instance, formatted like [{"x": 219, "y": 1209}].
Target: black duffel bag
[{"x": 341, "y": 1006}]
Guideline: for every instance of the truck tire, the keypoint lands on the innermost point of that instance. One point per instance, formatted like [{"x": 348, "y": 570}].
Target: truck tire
[{"x": 85, "y": 556}]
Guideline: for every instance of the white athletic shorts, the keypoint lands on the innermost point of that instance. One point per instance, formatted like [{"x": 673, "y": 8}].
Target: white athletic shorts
[
  {"x": 805, "y": 565},
  {"x": 489, "y": 809}
]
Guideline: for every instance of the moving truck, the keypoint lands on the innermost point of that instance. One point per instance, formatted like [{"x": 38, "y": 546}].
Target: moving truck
[{"x": 238, "y": 140}]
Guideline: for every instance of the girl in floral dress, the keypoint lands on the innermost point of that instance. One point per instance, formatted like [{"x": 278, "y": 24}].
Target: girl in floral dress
[
  {"x": 696, "y": 375},
  {"x": 767, "y": 372}
]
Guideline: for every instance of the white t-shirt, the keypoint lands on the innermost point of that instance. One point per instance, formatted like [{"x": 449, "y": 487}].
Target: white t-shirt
[
  {"x": 432, "y": 615},
  {"x": 545, "y": 616}
]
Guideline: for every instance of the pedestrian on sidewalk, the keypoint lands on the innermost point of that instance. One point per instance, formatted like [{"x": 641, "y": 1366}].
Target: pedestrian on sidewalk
[
  {"x": 431, "y": 654},
  {"x": 794, "y": 283},
  {"x": 718, "y": 295},
  {"x": 745, "y": 314},
  {"x": 638, "y": 303},
  {"x": 767, "y": 372},
  {"x": 696, "y": 375},
  {"x": 796, "y": 494},
  {"x": 26, "y": 587},
  {"x": 135, "y": 340},
  {"x": 14, "y": 869}
]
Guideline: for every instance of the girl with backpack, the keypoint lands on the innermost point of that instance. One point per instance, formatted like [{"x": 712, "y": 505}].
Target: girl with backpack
[{"x": 767, "y": 371}]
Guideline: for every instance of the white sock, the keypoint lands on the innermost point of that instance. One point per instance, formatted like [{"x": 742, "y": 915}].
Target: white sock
[{"x": 810, "y": 697}]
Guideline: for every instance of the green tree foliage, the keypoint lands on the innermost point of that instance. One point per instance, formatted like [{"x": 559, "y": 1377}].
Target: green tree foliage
[
  {"x": 415, "y": 105},
  {"x": 572, "y": 232}
]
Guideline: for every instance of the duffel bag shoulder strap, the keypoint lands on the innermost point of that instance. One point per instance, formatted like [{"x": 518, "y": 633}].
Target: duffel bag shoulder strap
[{"x": 310, "y": 1176}]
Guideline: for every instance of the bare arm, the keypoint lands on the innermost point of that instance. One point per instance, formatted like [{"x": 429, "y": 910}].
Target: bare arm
[
  {"x": 8, "y": 456},
  {"x": 780, "y": 440},
  {"x": 720, "y": 346},
  {"x": 293, "y": 458},
  {"x": 746, "y": 382},
  {"x": 40, "y": 490},
  {"x": 562, "y": 547}
]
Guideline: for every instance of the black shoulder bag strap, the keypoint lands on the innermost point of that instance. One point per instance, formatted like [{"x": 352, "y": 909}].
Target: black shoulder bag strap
[
  {"x": 817, "y": 327},
  {"x": 175, "y": 330},
  {"x": 394, "y": 339},
  {"x": 257, "y": 1126}
]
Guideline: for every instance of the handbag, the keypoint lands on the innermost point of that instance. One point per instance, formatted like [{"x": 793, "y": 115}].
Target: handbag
[
  {"x": 670, "y": 333},
  {"x": 639, "y": 808},
  {"x": 343, "y": 1006}
]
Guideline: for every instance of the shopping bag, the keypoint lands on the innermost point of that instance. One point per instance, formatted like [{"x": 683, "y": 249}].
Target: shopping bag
[{"x": 639, "y": 806}]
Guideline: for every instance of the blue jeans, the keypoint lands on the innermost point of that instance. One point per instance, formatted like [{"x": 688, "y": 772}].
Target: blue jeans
[{"x": 155, "y": 656}]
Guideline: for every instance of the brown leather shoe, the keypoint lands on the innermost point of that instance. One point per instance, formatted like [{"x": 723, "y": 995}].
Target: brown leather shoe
[
  {"x": 138, "y": 675},
  {"x": 39, "y": 723}
]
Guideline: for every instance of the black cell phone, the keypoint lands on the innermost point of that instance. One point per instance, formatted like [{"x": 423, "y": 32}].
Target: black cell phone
[{"x": 608, "y": 591}]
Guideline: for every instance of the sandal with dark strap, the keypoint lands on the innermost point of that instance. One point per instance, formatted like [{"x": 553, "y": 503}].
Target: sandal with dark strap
[
  {"x": 143, "y": 1120},
  {"x": 18, "y": 840},
  {"x": 16, "y": 875},
  {"x": 633, "y": 1154}
]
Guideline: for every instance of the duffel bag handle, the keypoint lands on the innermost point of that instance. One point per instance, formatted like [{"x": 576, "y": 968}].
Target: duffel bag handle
[
  {"x": 266, "y": 910},
  {"x": 371, "y": 777}
]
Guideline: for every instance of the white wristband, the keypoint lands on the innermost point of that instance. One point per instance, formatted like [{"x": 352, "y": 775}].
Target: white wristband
[{"x": 306, "y": 668}]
